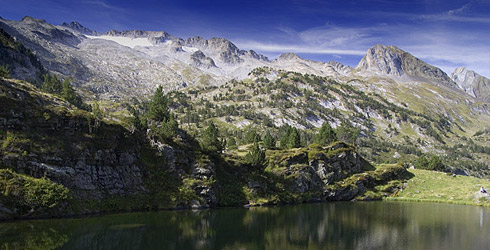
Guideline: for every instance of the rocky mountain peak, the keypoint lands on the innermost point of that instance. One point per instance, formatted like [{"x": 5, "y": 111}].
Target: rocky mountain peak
[
  {"x": 392, "y": 61},
  {"x": 289, "y": 56},
  {"x": 254, "y": 54},
  {"x": 29, "y": 19},
  {"x": 76, "y": 26},
  {"x": 472, "y": 83},
  {"x": 339, "y": 67},
  {"x": 223, "y": 45},
  {"x": 382, "y": 59},
  {"x": 196, "y": 41}
]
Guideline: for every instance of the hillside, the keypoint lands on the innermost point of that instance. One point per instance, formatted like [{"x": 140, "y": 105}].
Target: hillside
[
  {"x": 58, "y": 160},
  {"x": 403, "y": 122}
]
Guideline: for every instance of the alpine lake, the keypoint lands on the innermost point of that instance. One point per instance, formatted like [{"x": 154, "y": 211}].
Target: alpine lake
[{"x": 334, "y": 225}]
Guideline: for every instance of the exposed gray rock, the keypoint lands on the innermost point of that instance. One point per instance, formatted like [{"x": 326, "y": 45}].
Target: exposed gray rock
[
  {"x": 472, "y": 83},
  {"x": 79, "y": 28},
  {"x": 392, "y": 61}
]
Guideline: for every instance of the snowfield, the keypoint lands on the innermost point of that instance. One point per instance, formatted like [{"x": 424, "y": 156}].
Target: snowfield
[{"x": 125, "y": 41}]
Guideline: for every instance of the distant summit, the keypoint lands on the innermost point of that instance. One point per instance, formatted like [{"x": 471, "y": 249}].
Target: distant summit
[
  {"x": 289, "y": 56},
  {"x": 472, "y": 83},
  {"x": 392, "y": 61},
  {"x": 80, "y": 28}
]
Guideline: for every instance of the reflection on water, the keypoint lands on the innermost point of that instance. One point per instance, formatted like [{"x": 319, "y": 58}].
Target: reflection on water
[{"x": 340, "y": 225}]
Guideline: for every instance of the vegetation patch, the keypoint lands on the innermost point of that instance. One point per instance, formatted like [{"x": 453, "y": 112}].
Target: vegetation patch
[{"x": 22, "y": 195}]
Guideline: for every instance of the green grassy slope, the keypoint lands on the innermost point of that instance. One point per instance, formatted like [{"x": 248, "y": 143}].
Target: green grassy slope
[{"x": 434, "y": 186}]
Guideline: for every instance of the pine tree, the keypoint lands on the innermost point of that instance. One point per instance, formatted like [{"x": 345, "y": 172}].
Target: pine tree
[
  {"x": 51, "y": 84},
  {"x": 97, "y": 114},
  {"x": 4, "y": 71},
  {"x": 164, "y": 125},
  {"x": 346, "y": 132},
  {"x": 135, "y": 122},
  {"x": 210, "y": 141},
  {"x": 69, "y": 94},
  {"x": 294, "y": 140},
  {"x": 326, "y": 135},
  {"x": 251, "y": 136},
  {"x": 285, "y": 137},
  {"x": 436, "y": 164},
  {"x": 269, "y": 141},
  {"x": 166, "y": 130},
  {"x": 256, "y": 157},
  {"x": 157, "y": 108}
]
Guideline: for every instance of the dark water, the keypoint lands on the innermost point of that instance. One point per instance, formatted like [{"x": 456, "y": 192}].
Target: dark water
[{"x": 340, "y": 225}]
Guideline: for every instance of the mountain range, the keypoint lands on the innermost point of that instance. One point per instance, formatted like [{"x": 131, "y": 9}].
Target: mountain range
[{"x": 119, "y": 64}]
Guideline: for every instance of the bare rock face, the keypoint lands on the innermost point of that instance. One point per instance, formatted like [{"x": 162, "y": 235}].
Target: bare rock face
[
  {"x": 79, "y": 28},
  {"x": 201, "y": 60},
  {"x": 392, "y": 61},
  {"x": 472, "y": 83}
]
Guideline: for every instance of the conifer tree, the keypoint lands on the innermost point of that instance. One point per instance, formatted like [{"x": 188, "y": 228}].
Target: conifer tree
[
  {"x": 269, "y": 141},
  {"x": 285, "y": 137},
  {"x": 256, "y": 157},
  {"x": 210, "y": 141},
  {"x": 4, "y": 71},
  {"x": 326, "y": 135},
  {"x": 51, "y": 84},
  {"x": 347, "y": 133},
  {"x": 157, "y": 108},
  {"x": 294, "y": 139},
  {"x": 291, "y": 139},
  {"x": 164, "y": 125},
  {"x": 69, "y": 94},
  {"x": 251, "y": 136}
]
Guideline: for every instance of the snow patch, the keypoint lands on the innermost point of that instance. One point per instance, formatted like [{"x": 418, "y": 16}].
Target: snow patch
[
  {"x": 125, "y": 41},
  {"x": 190, "y": 49}
]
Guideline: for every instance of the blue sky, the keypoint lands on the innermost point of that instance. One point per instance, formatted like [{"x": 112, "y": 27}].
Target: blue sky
[{"x": 445, "y": 33}]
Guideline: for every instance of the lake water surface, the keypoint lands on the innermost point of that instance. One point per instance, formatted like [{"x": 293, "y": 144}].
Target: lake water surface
[{"x": 337, "y": 225}]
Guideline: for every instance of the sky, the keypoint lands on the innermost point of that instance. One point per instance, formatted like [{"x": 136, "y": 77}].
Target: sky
[{"x": 444, "y": 33}]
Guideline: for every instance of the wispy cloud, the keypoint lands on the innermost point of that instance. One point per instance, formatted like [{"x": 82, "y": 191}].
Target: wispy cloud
[
  {"x": 455, "y": 18},
  {"x": 103, "y": 5},
  {"x": 306, "y": 49},
  {"x": 467, "y": 13}
]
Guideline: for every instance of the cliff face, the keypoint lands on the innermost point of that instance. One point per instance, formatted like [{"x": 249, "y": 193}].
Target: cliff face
[{"x": 103, "y": 165}]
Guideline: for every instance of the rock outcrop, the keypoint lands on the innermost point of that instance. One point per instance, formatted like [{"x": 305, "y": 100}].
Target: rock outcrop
[{"x": 472, "y": 83}]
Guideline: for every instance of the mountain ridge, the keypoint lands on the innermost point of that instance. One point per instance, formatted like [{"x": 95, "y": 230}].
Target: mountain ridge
[{"x": 97, "y": 63}]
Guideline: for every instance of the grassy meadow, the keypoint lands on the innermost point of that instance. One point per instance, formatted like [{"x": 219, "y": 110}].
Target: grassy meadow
[{"x": 432, "y": 186}]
